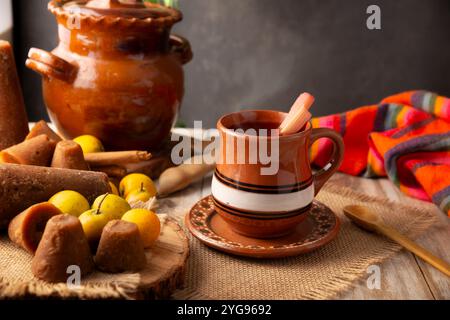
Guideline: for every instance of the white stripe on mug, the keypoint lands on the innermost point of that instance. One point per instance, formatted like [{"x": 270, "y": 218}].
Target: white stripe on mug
[{"x": 261, "y": 202}]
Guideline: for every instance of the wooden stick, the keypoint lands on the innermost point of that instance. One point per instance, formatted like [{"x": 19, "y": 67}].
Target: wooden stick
[
  {"x": 181, "y": 177},
  {"x": 101, "y": 159}
]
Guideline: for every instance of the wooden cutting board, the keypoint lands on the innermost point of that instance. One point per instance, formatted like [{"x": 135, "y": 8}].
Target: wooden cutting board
[{"x": 166, "y": 264}]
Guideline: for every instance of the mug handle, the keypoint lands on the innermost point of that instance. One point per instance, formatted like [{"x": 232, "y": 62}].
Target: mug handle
[
  {"x": 324, "y": 174},
  {"x": 181, "y": 48}
]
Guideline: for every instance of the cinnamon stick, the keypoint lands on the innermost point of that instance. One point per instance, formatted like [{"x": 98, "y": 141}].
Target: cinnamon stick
[
  {"x": 101, "y": 159},
  {"x": 152, "y": 168},
  {"x": 112, "y": 171},
  {"x": 298, "y": 116}
]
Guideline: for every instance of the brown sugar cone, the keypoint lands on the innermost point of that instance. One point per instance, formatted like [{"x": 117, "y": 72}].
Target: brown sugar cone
[
  {"x": 13, "y": 116},
  {"x": 69, "y": 155},
  {"x": 63, "y": 244},
  {"x": 121, "y": 248},
  {"x": 26, "y": 229},
  {"x": 42, "y": 128},
  {"x": 36, "y": 152},
  {"x": 23, "y": 186}
]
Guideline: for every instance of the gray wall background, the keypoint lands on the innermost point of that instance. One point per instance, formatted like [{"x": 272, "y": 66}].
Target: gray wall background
[{"x": 262, "y": 53}]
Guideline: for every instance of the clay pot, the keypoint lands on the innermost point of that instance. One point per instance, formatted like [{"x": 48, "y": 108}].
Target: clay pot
[{"x": 116, "y": 73}]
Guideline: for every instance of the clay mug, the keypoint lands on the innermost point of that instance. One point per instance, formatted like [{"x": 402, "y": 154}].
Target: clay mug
[{"x": 258, "y": 203}]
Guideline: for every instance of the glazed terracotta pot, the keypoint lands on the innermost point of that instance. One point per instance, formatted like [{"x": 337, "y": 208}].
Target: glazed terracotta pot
[
  {"x": 267, "y": 203},
  {"x": 117, "y": 71}
]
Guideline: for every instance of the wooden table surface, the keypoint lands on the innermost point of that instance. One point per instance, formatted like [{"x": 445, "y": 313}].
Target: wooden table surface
[{"x": 403, "y": 276}]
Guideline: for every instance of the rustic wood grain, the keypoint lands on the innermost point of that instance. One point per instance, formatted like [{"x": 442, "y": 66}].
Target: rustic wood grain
[
  {"x": 400, "y": 279},
  {"x": 167, "y": 267}
]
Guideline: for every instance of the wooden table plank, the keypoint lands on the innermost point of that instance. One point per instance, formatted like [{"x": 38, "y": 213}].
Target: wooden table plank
[
  {"x": 401, "y": 279},
  {"x": 437, "y": 240}
]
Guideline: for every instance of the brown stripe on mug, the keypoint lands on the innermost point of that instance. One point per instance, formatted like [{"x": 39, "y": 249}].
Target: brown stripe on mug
[
  {"x": 258, "y": 215},
  {"x": 262, "y": 188}
]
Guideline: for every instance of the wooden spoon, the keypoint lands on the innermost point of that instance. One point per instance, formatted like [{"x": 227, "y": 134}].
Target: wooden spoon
[{"x": 366, "y": 219}]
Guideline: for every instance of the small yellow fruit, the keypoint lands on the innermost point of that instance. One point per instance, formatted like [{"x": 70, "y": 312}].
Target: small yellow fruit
[
  {"x": 112, "y": 205},
  {"x": 114, "y": 189},
  {"x": 148, "y": 224},
  {"x": 137, "y": 181},
  {"x": 70, "y": 202},
  {"x": 138, "y": 195},
  {"x": 93, "y": 221},
  {"x": 89, "y": 144}
]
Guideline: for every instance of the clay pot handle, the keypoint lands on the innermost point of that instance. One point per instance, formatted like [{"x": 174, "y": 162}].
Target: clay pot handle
[
  {"x": 49, "y": 65},
  {"x": 181, "y": 48},
  {"x": 323, "y": 175}
]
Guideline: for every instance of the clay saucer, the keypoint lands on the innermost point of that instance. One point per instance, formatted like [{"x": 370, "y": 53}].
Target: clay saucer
[{"x": 320, "y": 227}]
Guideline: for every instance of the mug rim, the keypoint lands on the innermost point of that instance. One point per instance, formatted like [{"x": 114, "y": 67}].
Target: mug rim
[{"x": 231, "y": 132}]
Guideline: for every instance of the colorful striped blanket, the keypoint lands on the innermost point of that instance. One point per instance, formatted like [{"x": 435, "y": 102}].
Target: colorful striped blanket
[{"x": 405, "y": 137}]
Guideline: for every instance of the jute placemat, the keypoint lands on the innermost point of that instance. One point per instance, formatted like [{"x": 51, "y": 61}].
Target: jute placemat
[{"x": 318, "y": 275}]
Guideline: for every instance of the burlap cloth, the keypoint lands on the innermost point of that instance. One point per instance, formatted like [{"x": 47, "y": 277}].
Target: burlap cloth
[
  {"x": 214, "y": 275},
  {"x": 17, "y": 281},
  {"x": 318, "y": 275}
]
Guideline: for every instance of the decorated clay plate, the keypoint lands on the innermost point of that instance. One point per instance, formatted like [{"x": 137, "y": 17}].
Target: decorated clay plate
[{"x": 319, "y": 228}]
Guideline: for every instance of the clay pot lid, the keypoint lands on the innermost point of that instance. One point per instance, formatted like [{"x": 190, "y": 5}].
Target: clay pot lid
[{"x": 129, "y": 12}]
